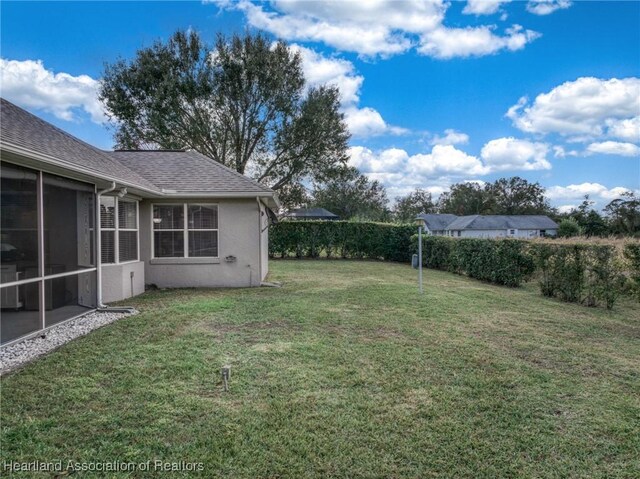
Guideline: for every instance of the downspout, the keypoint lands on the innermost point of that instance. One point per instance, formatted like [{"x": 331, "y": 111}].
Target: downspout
[
  {"x": 99, "y": 244},
  {"x": 259, "y": 240},
  {"x": 101, "y": 306}
]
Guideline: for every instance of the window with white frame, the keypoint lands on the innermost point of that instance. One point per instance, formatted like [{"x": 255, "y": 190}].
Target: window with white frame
[
  {"x": 119, "y": 230},
  {"x": 188, "y": 230}
]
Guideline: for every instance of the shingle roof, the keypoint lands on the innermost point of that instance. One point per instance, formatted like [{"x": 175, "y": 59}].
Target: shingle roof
[
  {"x": 437, "y": 222},
  {"x": 21, "y": 128},
  {"x": 157, "y": 172},
  {"x": 311, "y": 213},
  {"x": 186, "y": 171},
  {"x": 500, "y": 222}
]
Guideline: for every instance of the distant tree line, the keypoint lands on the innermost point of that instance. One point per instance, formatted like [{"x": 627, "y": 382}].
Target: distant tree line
[{"x": 359, "y": 198}]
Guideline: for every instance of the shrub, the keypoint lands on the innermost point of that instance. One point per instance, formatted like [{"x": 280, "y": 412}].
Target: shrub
[
  {"x": 632, "y": 255},
  {"x": 579, "y": 273},
  {"x": 499, "y": 261},
  {"x": 569, "y": 227},
  {"x": 345, "y": 239}
]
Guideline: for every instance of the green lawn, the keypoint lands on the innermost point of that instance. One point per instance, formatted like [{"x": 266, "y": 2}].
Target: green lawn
[{"x": 345, "y": 371}]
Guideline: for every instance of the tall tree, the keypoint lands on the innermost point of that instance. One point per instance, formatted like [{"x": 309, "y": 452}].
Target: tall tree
[
  {"x": 353, "y": 196},
  {"x": 516, "y": 196},
  {"x": 409, "y": 206},
  {"x": 242, "y": 102},
  {"x": 624, "y": 214},
  {"x": 466, "y": 199}
]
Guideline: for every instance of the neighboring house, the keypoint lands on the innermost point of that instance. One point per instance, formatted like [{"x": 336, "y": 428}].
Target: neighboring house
[
  {"x": 490, "y": 226},
  {"x": 169, "y": 218},
  {"x": 311, "y": 214},
  {"x": 437, "y": 224}
]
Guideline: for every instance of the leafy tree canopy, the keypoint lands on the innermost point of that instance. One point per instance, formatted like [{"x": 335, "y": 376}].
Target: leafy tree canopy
[
  {"x": 506, "y": 196},
  {"x": 242, "y": 102},
  {"x": 353, "y": 196},
  {"x": 409, "y": 206}
]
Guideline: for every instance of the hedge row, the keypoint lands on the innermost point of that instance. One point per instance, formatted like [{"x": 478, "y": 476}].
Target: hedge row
[
  {"x": 588, "y": 274},
  {"x": 341, "y": 239},
  {"x": 579, "y": 273},
  {"x": 632, "y": 255},
  {"x": 499, "y": 261},
  {"x": 591, "y": 274}
]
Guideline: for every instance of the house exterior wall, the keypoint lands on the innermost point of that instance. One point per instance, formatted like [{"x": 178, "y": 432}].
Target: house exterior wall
[
  {"x": 122, "y": 281},
  {"x": 238, "y": 236},
  {"x": 264, "y": 242},
  {"x": 520, "y": 233}
]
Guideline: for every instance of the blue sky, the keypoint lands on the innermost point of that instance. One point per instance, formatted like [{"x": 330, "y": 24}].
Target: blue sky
[{"x": 433, "y": 92}]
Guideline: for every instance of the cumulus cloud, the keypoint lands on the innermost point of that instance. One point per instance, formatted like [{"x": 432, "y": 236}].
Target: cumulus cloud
[
  {"x": 513, "y": 154},
  {"x": 545, "y": 7},
  {"x": 582, "y": 109},
  {"x": 628, "y": 129},
  {"x": 596, "y": 192},
  {"x": 614, "y": 148},
  {"x": 320, "y": 70},
  {"x": 446, "y": 43},
  {"x": 483, "y": 7},
  {"x": 451, "y": 137},
  {"x": 29, "y": 84},
  {"x": 383, "y": 28}
]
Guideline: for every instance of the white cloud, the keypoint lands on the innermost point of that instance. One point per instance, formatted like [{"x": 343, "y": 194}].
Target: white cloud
[
  {"x": 451, "y": 137},
  {"x": 320, "y": 70},
  {"x": 582, "y": 109},
  {"x": 545, "y": 7},
  {"x": 446, "y": 43},
  {"x": 512, "y": 154},
  {"x": 566, "y": 208},
  {"x": 628, "y": 129},
  {"x": 380, "y": 28},
  {"x": 483, "y": 7},
  {"x": 596, "y": 192},
  {"x": 446, "y": 160},
  {"x": 614, "y": 148},
  {"x": 29, "y": 84}
]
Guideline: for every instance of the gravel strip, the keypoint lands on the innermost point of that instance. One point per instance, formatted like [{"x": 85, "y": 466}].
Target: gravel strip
[{"x": 16, "y": 355}]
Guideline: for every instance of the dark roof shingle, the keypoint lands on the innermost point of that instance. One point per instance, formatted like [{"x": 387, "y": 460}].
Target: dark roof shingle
[
  {"x": 186, "y": 171},
  {"x": 499, "y": 222},
  {"x": 21, "y": 128}
]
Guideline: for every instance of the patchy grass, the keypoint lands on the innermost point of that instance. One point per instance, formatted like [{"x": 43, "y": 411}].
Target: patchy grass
[{"x": 344, "y": 372}]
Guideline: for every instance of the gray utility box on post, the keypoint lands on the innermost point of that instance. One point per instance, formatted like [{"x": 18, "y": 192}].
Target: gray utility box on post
[{"x": 414, "y": 261}]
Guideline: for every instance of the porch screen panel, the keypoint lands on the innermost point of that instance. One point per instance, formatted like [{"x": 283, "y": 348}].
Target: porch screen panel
[
  {"x": 18, "y": 252},
  {"x": 19, "y": 224},
  {"x": 69, "y": 228}
]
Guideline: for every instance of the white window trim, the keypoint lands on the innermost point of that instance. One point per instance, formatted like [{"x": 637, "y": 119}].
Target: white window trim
[
  {"x": 116, "y": 230},
  {"x": 185, "y": 231}
]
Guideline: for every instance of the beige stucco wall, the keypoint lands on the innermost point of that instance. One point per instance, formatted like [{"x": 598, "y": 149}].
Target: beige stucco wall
[
  {"x": 238, "y": 235},
  {"x": 117, "y": 282},
  {"x": 264, "y": 241},
  {"x": 502, "y": 233}
]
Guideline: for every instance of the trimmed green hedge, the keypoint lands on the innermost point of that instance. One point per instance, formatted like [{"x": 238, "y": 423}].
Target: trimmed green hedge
[
  {"x": 632, "y": 254},
  {"x": 341, "y": 239},
  {"x": 499, "y": 261},
  {"x": 580, "y": 273}
]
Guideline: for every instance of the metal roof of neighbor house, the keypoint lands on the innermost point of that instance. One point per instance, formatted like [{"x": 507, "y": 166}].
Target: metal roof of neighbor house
[
  {"x": 500, "y": 222},
  {"x": 161, "y": 172},
  {"x": 186, "y": 171},
  {"x": 311, "y": 213},
  {"x": 436, "y": 222},
  {"x": 21, "y": 128}
]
